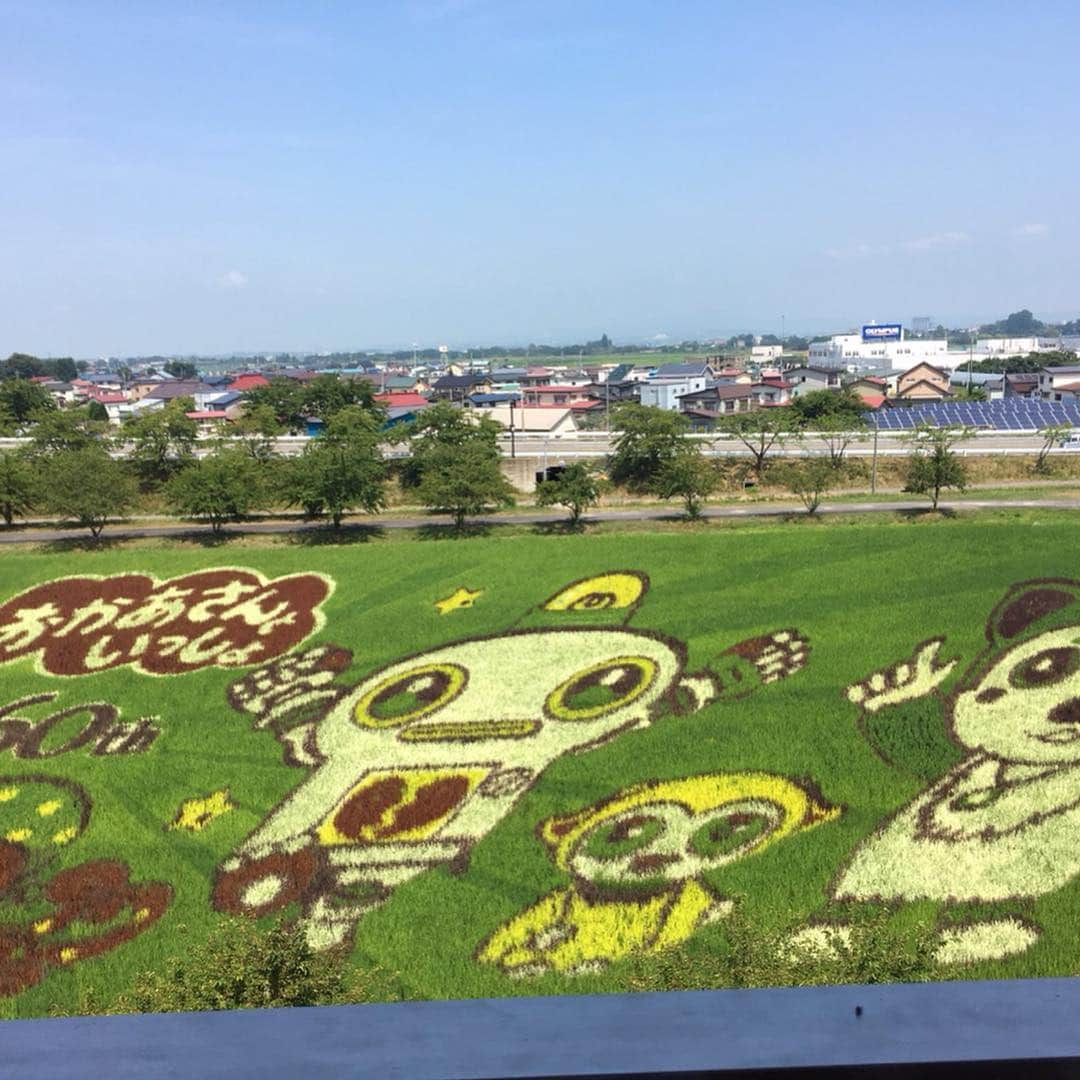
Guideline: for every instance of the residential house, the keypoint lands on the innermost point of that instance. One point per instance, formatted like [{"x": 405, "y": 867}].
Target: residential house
[
  {"x": 990, "y": 383},
  {"x": 62, "y": 393},
  {"x": 811, "y": 377},
  {"x": 489, "y": 401},
  {"x": 200, "y": 392},
  {"x": 456, "y": 388},
  {"x": 734, "y": 377},
  {"x": 673, "y": 381},
  {"x": 564, "y": 395},
  {"x": 402, "y": 407},
  {"x": 923, "y": 382},
  {"x": 1022, "y": 384},
  {"x": 536, "y": 376},
  {"x": 248, "y": 380},
  {"x": 871, "y": 389},
  {"x": 719, "y": 399},
  {"x": 1060, "y": 383},
  {"x": 771, "y": 392},
  {"x": 540, "y": 421}
]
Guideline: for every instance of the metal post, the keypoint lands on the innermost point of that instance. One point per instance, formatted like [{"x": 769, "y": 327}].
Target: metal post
[
  {"x": 873, "y": 468},
  {"x": 513, "y": 445}
]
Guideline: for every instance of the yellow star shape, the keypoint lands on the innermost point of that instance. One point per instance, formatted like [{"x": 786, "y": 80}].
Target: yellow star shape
[
  {"x": 459, "y": 598},
  {"x": 195, "y": 814}
]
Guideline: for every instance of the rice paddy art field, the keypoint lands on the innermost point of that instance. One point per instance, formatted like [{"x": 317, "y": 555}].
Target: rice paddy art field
[{"x": 535, "y": 764}]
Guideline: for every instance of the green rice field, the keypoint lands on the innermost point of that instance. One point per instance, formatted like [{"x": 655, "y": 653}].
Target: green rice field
[{"x": 541, "y": 764}]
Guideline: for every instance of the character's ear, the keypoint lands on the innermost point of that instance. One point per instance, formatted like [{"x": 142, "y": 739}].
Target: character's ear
[
  {"x": 607, "y": 599},
  {"x": 1028, "y": 602},
  {"x": 621, "y": 589}
]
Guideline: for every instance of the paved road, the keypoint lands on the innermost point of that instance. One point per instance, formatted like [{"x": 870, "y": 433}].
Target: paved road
[{"x": 540, "y": 517}]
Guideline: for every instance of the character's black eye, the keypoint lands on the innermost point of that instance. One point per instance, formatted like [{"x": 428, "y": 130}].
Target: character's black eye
[
  {"x": 601, "y": 688},
  {"x": 1046, "y": 667},
  {"x": 623, "y": 836},
  {"x": 733, "y": 828},
  {"x": 410, "y": 695}
]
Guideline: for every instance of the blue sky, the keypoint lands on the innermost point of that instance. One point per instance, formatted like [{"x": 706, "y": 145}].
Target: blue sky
[{"x": 205, "y": 177}]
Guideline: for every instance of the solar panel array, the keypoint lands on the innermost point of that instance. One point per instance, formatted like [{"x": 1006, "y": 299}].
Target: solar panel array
[{"x": 1007, "y": 414}]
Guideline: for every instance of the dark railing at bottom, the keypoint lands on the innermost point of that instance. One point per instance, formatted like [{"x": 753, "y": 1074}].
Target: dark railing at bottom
[{"x": 1023, "y": 1027}]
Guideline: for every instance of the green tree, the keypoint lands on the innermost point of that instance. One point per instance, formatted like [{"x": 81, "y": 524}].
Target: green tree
[
  {"x": 761, "y": 432},
  {"x": 933, "y": 465},
  {"x": 969, "y": 393},
  {"x": 688, "y": 476},
  {"x": 648, "y": 438},
  {"x": 21, "y": 366},
  {"x": 341, "y": 470},
  {"x": 836, "y": 407},
  {"x": 57, "y": 430},
  {"x": 19, "y": 487},
  {"x": 838, "y": 433},
  {"x": 161, "y": 441},
  {"x": 326, "y": 395},
  {"x": 87, "y": 486},
  {"x": 226, "y": 485},
  {"x": 281, "y": 396},
  {"x": 444, "y": 426},
  {"x": 23, "y": 400},
  {"x": 181, "y": 369},
  {"x": 811, "y": 479},
  {"x": 1051, "y": 436},
  {"x": 577, "y": 488},
  {"x": 256, "y": 429},
  {"x": 65, "y": 369},
  {"x": 242, "y": 966},
  {"x": 463, "y": 480},
  {"x": 97, "y": 412}
]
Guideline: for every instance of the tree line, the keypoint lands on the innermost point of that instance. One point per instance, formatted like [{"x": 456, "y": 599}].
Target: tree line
[{"x": 449, "y": 461}]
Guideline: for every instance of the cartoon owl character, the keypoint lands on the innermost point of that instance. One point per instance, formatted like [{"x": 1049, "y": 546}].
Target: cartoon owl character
[
  {"x": 637, "y": 863},
  {"x": 999, "y": 827},
  {"x": 419, "y": 761}
]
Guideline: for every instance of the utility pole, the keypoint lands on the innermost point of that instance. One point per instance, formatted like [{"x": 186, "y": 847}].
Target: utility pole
[{"x": 873, "y": 467}]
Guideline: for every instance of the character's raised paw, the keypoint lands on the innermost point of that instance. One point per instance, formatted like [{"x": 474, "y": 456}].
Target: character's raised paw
[
  {"x": 992, "y": 940},
  {"x": 914, "y": 677},
  {"x": 296, "y": 688},
  {"x": 776, "y": 655}
]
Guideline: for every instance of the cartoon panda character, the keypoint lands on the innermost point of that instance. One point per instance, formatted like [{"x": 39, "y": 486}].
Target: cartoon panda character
[
  {"x": 638, "y": 863},
  {"x": 999, "y": 828},
  {"x": 420, "y": 760}
]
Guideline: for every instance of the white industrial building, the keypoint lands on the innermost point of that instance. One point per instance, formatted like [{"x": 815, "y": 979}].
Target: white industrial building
[
  {"x": 854, "y": 351},
  {"x": 1016, "y": 346}
]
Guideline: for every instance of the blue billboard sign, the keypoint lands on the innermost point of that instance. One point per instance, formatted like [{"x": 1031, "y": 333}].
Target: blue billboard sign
[{"x": 881, "y": 332}]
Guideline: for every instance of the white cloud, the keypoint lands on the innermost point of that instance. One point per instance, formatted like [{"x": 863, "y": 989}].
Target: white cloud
[
  {"x": 659, "y": 337},
  {"x": 233, "y": 279},
  {"x": 1033, "y": 228},
  {"x": 942, "y": 241},
  {"x": 858, "y": 251}
]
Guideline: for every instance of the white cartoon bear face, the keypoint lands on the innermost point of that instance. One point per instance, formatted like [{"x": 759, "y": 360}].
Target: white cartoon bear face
[
  {"x": 1026, "y": 707},
  {"x": 665, "y": 842},
  {"x": 556, "y": 689}
]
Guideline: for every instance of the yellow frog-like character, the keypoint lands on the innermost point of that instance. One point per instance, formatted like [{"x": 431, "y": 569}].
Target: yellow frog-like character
[{"x": 637, "y": 863}]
